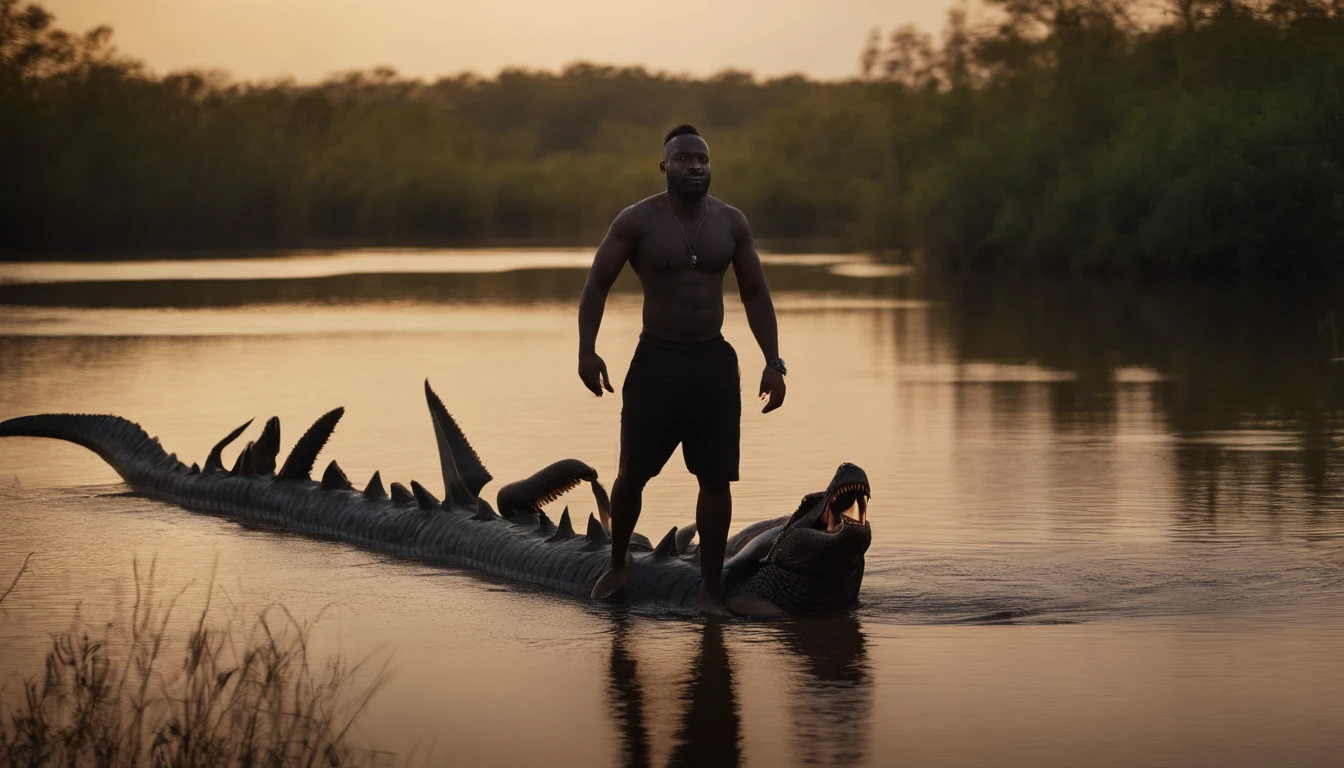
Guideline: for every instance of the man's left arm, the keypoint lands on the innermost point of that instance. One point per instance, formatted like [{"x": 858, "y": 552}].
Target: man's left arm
[{"x": 751, "y": 286}]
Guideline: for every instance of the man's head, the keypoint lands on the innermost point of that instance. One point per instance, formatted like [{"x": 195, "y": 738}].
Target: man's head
[{"x": 686, "y": 163}]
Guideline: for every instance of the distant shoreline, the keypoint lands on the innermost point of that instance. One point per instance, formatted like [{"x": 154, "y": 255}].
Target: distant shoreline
[
  {"x": 1204, "y": 145},
  {"x": 169, "y": 253}
]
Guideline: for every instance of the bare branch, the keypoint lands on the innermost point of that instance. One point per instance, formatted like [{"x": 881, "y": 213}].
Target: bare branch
[{"x": 17, "y": 576}]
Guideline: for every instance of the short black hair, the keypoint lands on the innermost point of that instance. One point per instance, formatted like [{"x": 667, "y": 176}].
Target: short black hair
[{"x": 685, "y": 129}]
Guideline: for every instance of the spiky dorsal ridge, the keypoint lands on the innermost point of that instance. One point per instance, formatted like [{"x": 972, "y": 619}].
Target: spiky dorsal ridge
[
  {"x": 215, "y": 461},
  {"x": 245, "y": 465},
  {"x": 684, "y": 537},
  {"x": 565, "y": 530},
  {"x": 374, "y": 490},
  {"x": 238, "y": 462},
  {"x": 400, "y": 494},
  {"x": 467, "y": 463},
  {"x": 544, "y": 525},
  {"x": 299, "y": 465},
  {"x": 268, "y": 446},
  {"x": 455, "y": 489},
  {"x": 596, "y": 533},
  {"x": 334, "y": 479},
  {"x": 484, "y": 511},
  {"x": 459, "y": 495},
  {"x": 423, "y": 498},
  {"x": 668, "y": 546}
]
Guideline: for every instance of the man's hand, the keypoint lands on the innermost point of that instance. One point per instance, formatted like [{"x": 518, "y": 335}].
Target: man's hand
[
  {"x": 772, "y": 384},
  {"x": 590, "y": 368}
]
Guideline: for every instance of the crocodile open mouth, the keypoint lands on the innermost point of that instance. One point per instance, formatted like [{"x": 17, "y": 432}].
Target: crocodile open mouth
[{"x": 848, "y": 506}]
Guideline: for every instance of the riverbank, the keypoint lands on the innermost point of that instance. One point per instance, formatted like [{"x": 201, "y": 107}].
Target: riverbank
[{"x": 1060, "y": 139}]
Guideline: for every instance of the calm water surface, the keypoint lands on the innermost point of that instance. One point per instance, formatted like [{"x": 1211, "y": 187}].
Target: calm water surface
[{"x": 1108, "y": 525}]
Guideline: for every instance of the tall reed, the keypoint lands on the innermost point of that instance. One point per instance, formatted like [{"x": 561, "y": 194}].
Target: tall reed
[{"x": 236, "y": 693}]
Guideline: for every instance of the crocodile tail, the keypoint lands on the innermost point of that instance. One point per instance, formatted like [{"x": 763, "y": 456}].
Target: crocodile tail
[{"x": 121, "y": 443}]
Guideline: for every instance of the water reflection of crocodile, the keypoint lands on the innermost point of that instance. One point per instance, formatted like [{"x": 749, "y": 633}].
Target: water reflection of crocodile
[{"x": 808, "y": 562}]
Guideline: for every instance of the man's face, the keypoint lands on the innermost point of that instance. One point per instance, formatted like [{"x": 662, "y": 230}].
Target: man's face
[{"x": 686, "y": 165}]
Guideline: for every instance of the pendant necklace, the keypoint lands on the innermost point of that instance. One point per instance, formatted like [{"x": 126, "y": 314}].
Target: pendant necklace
[{"x": 690, "y": 244}]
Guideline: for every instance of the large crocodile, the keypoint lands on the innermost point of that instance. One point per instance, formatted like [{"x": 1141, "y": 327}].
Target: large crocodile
[{"x": 807, "y": 562}]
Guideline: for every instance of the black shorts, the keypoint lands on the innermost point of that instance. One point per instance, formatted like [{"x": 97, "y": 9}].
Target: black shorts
[{"x": 681, "y": 392}]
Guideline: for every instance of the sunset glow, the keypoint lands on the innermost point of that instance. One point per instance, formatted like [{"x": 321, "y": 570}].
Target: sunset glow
[{"x": 308, "y": 39}]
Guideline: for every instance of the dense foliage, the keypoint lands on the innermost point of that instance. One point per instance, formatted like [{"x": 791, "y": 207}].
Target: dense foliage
[{"x": 1053, "y": 135}]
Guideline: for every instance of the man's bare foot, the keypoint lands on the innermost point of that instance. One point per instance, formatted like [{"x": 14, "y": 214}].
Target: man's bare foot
[
  {"x": 713, "y": 606},
  {"x": 614, "y": 580}
]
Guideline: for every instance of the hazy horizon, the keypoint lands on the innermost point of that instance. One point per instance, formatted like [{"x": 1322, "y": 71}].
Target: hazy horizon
[{"x": 310, "y": 40}]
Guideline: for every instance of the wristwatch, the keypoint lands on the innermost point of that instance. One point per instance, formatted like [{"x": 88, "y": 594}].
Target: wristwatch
[{"x": 778, "y": 365}]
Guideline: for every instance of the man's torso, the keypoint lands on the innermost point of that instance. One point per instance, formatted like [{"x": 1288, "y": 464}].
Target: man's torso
[{"x": 683, "y": 302}]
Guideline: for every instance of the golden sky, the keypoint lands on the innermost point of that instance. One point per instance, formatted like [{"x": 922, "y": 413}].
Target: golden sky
[{"x": 309, "y": 39}]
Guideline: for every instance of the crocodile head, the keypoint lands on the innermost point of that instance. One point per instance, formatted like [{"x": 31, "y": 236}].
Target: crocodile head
[{"x": 811, "y": 564}]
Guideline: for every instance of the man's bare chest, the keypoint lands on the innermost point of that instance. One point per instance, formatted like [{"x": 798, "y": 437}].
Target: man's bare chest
[{"x": 667, "y": 248}]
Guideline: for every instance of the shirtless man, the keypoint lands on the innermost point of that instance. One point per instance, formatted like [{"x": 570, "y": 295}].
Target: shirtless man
[{"x": 684, "y": 385}]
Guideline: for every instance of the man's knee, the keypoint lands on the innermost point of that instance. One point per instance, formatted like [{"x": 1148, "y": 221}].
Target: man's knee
[
  {"x": 714, "y": 486},
  {"x": 629, "y": 484}
]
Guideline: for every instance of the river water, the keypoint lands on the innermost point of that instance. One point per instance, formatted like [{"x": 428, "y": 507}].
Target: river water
[{"x": 1108, "y": 525}]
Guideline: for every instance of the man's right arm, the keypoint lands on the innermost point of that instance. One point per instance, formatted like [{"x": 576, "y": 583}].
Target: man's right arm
[{"x": 616, "y": 249}]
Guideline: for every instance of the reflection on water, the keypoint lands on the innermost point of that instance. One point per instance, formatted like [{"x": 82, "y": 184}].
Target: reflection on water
[
  {"x": 831, "y": 707},
  {"x": 709, "y": 730},
  {"x": 514, "y": 276},
  {"x": 626, "y": 699},
  {"x": 311, "y": 265},
  {"x": 829, "y": 701},
  {"x": 1145, "y": 483}
]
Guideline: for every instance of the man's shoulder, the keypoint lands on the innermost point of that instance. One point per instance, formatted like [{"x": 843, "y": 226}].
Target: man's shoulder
[
  {"x": 659, "y": 200},
  {"x": 729, "y": 209},
  {"x": 735, "y": 217},
  {"x": 634, "y": 219},
  {"x": 647, "y": 205}
]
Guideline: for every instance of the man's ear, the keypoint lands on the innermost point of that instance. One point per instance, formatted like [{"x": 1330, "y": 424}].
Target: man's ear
[{"x": 662, "y": 166}]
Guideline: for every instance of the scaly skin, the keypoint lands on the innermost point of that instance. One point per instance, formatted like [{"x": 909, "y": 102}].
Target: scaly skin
[{"x": 462, "y": 532}]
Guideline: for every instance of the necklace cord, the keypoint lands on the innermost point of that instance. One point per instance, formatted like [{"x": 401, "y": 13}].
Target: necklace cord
[{"x": 690, "y": 244}]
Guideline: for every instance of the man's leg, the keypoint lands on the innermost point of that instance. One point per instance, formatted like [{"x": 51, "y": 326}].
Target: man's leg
[
  {"x": 713, "y": 514},
  {"x": 650, "y": 431},
  {"x": 627, "y": 497},
  {"x": 711, "y": 451}
]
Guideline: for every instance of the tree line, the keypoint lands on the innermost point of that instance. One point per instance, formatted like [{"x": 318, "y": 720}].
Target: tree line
[{"x": 1203, "y": 137}]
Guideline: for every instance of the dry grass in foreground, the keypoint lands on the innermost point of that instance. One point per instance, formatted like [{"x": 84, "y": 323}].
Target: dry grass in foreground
[{"x": 241, "y": 694}]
